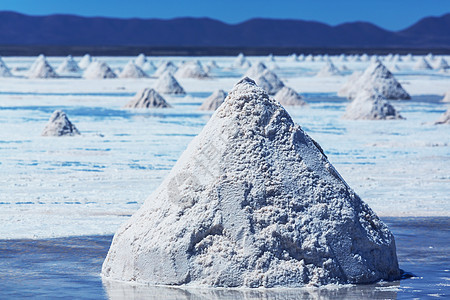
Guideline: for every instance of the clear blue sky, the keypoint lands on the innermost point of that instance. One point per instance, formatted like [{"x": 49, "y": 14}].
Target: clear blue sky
[{"x": 389, "y": 14}]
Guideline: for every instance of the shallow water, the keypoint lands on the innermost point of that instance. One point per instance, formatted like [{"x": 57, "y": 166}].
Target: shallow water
[{"x": 70, "y": 267}]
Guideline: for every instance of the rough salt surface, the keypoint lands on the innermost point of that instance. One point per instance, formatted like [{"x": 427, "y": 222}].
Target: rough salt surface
[
  {"x": 376, "y": 77},
  {"x": 59, "y": 125},
  {"x": 99, "y": 70},
  {"x": 288, "y": 96},
  {"x": 147, "y": 98},
  {"x": 132, "y": 71},
  {"x": 252, "y": 202},
  {"x": 370, "y": 105},
  {"x": 167, "y": 84},
  {"x": 214, "y": 101}
]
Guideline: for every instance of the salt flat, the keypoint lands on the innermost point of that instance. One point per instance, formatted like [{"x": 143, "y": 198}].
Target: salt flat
[{"x": 88, "y": 185}]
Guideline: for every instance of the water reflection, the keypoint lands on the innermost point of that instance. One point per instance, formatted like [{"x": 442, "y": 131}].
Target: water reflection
[{"x": 118, "y": 290}]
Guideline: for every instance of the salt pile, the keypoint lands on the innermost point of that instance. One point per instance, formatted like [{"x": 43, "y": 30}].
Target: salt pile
[
  {"x": 270, "y": 57},
  {"x": 132, "y": 71},
  {"x": 256, "y": 70},
  {"x": 167, "y": 84},
  {"x": 42, "y": 69},
  {"x": 328, "y": 70},
  {"x": 408, "y": 57},
  {"x": 396, "y": 58},
  {"x": 309, "y": 57},
  {"x": 148, "y": 66},
  {"x": 446, "y": 97},
  {"x": 211, "y": 66},
  {"x": 376, "y": 77},
  {"x": 98, "y": 70},
  {"x": 241, "y": 62},
  {"x": 147, "y": 98},
  {"x": 365, "y": 57},
  {"x": 270, "y": 82},
  {"x": 301, "y": 57},
  {"x": 214, "y": 101},
  {"x": 444, "y": 119},
  {"x": 252, "y": 202},
  {"x": 289, "y": 97},
  {"x": 292, "y": 58},
  {"x": 422, "y": 64},
  {"x": 40, "y": 58},
  {"x": 59, "y": 125},
  {"x": 370, "y": 105},
  {"x": 4, "y": 70},
  {"x": 166, "y": 66},
  {"x": 69, "y": 65},
  {"x": 441, "y": 64},
  {"x": 85, "y": 61},
  {"x": 191, "y": 69},
  {"x": 342, "y": 58},
  {"x": 140, "y": 60}
]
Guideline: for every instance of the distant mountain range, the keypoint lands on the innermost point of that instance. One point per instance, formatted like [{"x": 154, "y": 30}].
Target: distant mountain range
[{"x": 70, "y": 30}]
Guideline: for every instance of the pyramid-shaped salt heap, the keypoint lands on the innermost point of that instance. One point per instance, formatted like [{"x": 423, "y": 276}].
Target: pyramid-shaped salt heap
[
  {"x": 140, "y": 60},
  {"x": 69, "y": 65},
  {"x": 442, "y": 64},
  {"x": 289, "y": 97},
  {"x": 241, "y": 61},
  {"x": 328, "y": 70},
  {"x": 252, "y": 202},
  {"x": 147, "y": 98},
  {"x": 256, "y": 70},
  {"x": 4, "y": 70},
  {"x": 132, "y": 71},
  {"x": 292, "y": 58},
  {"x": 422, "y": 64},
  {"x": 376, "y": 77},
  {"x": 59, "y": 125},
  {"x": 167, "y": 66},
  {"x": 370, "y": 105},
  {"x": 167, "y": 84},
  {"x": 41, "y": 69},
  {"x": 214, "y": 101},
  {"x": 270, "y": 82},
  {"x": 85, "y": 61},
  {"x": 191, "y": 69},
  {"x": 98, "y": 70}
]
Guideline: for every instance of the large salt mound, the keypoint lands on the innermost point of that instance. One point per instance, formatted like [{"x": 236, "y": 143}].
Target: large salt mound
[
  {"x": 167, "y": 66},
  {"x": 85, "y": 61},
  {"x": 191, "y": 69},
  {"x": 59, "y": 125},
  {"x": 252, "y": 202},
  {"x": 256, "y": 70},
  {"x": 69, "y": 65},
  {"x": 241, "y": 62},
  {"x": 270, "y": 82},
  {"x": 214, "y": 101},
  {"x": 167, "y": 84},
  {"x": 444, "y": 119},
  {"x": 376, "y": 77},
  {"x": 4, "y": 70},
  {"x": 289, "y": 97},
  {"x": 42, "y": 69},
  {"x": 328, "y": 70},
  {"x": 370, "y": 105},
  {"x": 132, "y": 71},
  {"x": 422, "y": 64},
  {"x": 98, "y": 70},
  {"x": 147, "y": 98}
]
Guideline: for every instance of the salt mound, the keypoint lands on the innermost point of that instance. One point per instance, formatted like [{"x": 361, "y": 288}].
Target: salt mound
[
  {"x": 191, "y": 69},
  {"x": 444, "y": 119},
  {"x": 214, "y": 101},
  {"x": 270, "y": 82},
  {"x": 147, "y": 98},
  {"x": 42, "y": 69},
  {"x": 166, "y": 66},
  {"x": 270, "y": 57},
  {"x": 59, "y": 125},
  {"x": 370, "y": 105},
  {"x": 132, "y": 71},
  {"x": 4, "y": 70},
  {"x": 364, "y": 57},
  {"x": 396, "y": 58},
  {"x": 140, "y": 60},
  {"x": 301, "y": 57},
  {"x": 422, "y": 64},
  {"x": 446, "y": 97},
  {"x": 287, "y": 97},
  {"x": 256, "y": 70},
  {"x": 85, "y": 61},
  {"x": 98, "y": 70},
  {"x": 252, "y": 202},
  {"x": 441, "y": 64},
  {"x": 241, "y": 62},
  {"x": 376, "y": 77},
  {"x": 409, "y": 57},
  {"x": 167, "y": 84},
  {"x": 351, "y": 81},
  {"x": 148, "y": 66},
  {"x": 328, "y": 70},
  {"x": 33, "y": 66},
  {"x": 292, "y": 58},
  {"x": 309, "y": 57},
  {"x": 211, "y": 66},
  {"x": 343, "y": 58},
  {"x": 69, "y": 65}
]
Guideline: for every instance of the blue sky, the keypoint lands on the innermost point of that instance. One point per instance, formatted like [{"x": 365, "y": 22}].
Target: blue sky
[{"x": 389, "y": 14}]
